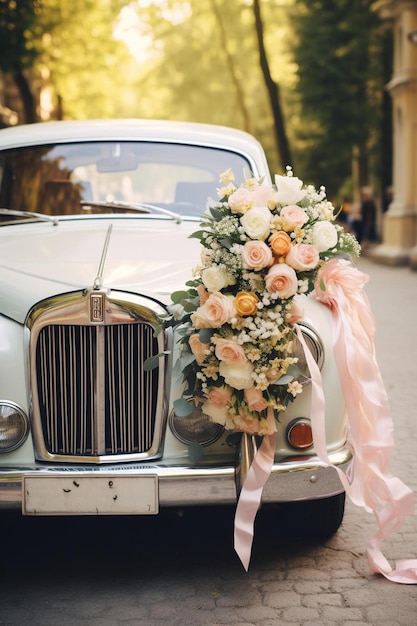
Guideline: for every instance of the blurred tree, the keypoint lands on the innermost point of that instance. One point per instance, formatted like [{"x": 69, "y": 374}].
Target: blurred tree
[
  {"x": 273, "y": 90},
  {"x": 86, "y": 68},
  {"x": 206, "y": 64},
  {"x": 20, "y": 46},
  {"x": 338, "y": 49}
]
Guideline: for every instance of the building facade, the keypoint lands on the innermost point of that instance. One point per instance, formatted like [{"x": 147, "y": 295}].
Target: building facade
[{"x": 399, "y": 228}]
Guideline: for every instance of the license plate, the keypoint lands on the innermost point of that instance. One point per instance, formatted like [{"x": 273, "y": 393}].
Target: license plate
[{"x": 90, "y": 495}]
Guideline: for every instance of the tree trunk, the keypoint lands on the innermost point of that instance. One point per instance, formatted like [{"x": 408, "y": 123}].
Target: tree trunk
[
  {"x": 273, "y": 92},
  {"x": 27, "y": 98},
  {"x": 232, "y": 69}
]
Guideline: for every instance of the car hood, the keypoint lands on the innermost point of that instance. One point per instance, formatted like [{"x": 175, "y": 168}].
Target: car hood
[{"x": 152, "y": 257}]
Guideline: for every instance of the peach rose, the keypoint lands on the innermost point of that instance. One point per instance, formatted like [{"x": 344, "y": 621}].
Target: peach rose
[
  {"x": 229, "y": 351},
  {"x": 303, "y": 256},
  {"x": 237, "y": 376},
  {"x": 216, "y": 311},
  {"x": 245, "y": 303},
  {"x": 256, "y": 255},
  {"x": 202, "y": 294},
  {"x": 282, "y": 279},
  {"x": 293, "y": 217},
  {"x": 199, "y": 349},
  {"x": 220, "y": 396},
  {"x": 255, "y": 399},
  {"x": 246, "y": 423},
  {"x": 262, "y": 195},
  {"x": 240, "y": 200},
  {"x": 280, "y": 243}
]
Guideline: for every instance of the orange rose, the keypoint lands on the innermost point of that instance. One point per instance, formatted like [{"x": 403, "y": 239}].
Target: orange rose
[
  {"x": 280, "y": 243},
  {"x": 245, "y": 303}
]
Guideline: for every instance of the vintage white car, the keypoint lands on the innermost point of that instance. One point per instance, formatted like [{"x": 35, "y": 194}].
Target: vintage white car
[{"x": 95, "y": 218}]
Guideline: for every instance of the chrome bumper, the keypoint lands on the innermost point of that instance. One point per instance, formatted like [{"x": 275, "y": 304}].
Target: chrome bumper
[{"x": 180, "y": 486}]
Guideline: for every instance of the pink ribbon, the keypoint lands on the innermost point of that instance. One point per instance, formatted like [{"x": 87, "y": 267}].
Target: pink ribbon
[
  {"x": 340, "y": 286},
  {"x": 250, "y": 498}
]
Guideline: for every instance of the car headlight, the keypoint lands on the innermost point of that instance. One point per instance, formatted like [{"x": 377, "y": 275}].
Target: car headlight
[
  {"x": 14, "y": 426},
  {"x": 195, "y": 428}
]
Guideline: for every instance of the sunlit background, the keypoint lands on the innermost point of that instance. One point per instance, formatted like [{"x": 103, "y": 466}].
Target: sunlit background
[{"x": 307, "y": 78}]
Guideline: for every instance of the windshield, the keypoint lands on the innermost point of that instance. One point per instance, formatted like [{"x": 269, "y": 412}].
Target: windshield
[{"x": 60, "y": 179}]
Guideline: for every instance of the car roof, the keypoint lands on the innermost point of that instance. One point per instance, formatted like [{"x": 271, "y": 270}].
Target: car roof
[{"x": 125, "y": 130}]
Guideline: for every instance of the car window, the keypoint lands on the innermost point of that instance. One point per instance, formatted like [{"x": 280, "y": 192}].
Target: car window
[{"x": 58, "y": 179}]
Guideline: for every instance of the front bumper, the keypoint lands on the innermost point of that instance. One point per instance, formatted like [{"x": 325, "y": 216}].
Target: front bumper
[{"x": 174, "y": 486}]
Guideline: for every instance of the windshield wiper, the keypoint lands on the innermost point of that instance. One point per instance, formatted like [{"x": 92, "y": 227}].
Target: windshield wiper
[
  {"x": 39, "y": 216},
  {"x": 138, "y": 207}
]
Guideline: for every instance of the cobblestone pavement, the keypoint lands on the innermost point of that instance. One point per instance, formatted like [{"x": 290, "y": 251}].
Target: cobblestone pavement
[{"x": 183, "y": 571}]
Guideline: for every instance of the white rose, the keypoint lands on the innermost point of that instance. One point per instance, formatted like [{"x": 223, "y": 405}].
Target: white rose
[
  {"x": 324, "y": 236},
  {"x": 216, "y": 279},
  {"x": 288, "y": 190},
  {"x": 257, "y": 223},
  {"x": 237, "y": 376}
]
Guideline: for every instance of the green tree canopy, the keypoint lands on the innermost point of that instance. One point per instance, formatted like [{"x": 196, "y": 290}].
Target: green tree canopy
[{"x": 338, "y": 49}]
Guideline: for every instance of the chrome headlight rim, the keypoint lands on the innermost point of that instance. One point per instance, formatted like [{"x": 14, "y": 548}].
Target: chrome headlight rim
[
  {"x": 295, "y": 423},
  {"x": 313, "y": 342},
  {"x": 24, "y": 421}
]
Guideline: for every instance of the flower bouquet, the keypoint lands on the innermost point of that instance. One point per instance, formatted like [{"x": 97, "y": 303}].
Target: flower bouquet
[{"x": 262, "y": 245}]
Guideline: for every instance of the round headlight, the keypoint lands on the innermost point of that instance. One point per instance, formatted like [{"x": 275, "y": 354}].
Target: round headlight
[
  {"x": 195, "y": 428},
  {"x": 14, "y": 426}
]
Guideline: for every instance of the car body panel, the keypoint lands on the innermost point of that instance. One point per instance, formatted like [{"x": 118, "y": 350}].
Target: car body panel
[{"x": 135, "y": 255}]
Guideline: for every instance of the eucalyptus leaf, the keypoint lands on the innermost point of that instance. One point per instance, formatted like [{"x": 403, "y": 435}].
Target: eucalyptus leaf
[
  {"x": 178, "y": 297},
  {"x": 284, "y": 380},
  {"x": 151, "y": 363},
  {"x": 293, "y": 371},
  {"x": 216, "y": 213},
  {"x": 205, "y": 334},
  {"x": 198, "y": 234},
  {"x": 226, "y": 243},
  {"x": 182, "y": 407}
]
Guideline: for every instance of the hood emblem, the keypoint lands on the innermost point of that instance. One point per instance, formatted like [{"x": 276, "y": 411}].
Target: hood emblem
[{"x": 97, "y": 307}]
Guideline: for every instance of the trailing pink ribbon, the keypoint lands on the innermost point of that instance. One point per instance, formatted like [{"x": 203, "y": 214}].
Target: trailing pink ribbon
[
  {"x": 250, "y": 498},
  {"x": 340, "y": 286}
]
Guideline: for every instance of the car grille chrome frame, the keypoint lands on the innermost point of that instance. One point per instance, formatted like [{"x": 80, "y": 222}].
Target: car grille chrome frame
[{"x": 92, "y": 400}]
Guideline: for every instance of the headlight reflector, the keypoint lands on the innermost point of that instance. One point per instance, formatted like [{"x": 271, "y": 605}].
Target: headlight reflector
[
  {"x": 14, "y": 426},
  {"x": 195, "y": 428}
]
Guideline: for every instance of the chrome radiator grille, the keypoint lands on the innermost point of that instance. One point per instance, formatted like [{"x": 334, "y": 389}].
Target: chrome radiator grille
[{"x": 94, "y": 396}]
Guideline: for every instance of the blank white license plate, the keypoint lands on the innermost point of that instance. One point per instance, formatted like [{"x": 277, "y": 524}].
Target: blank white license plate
[{"x": 90, "y": 495}]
